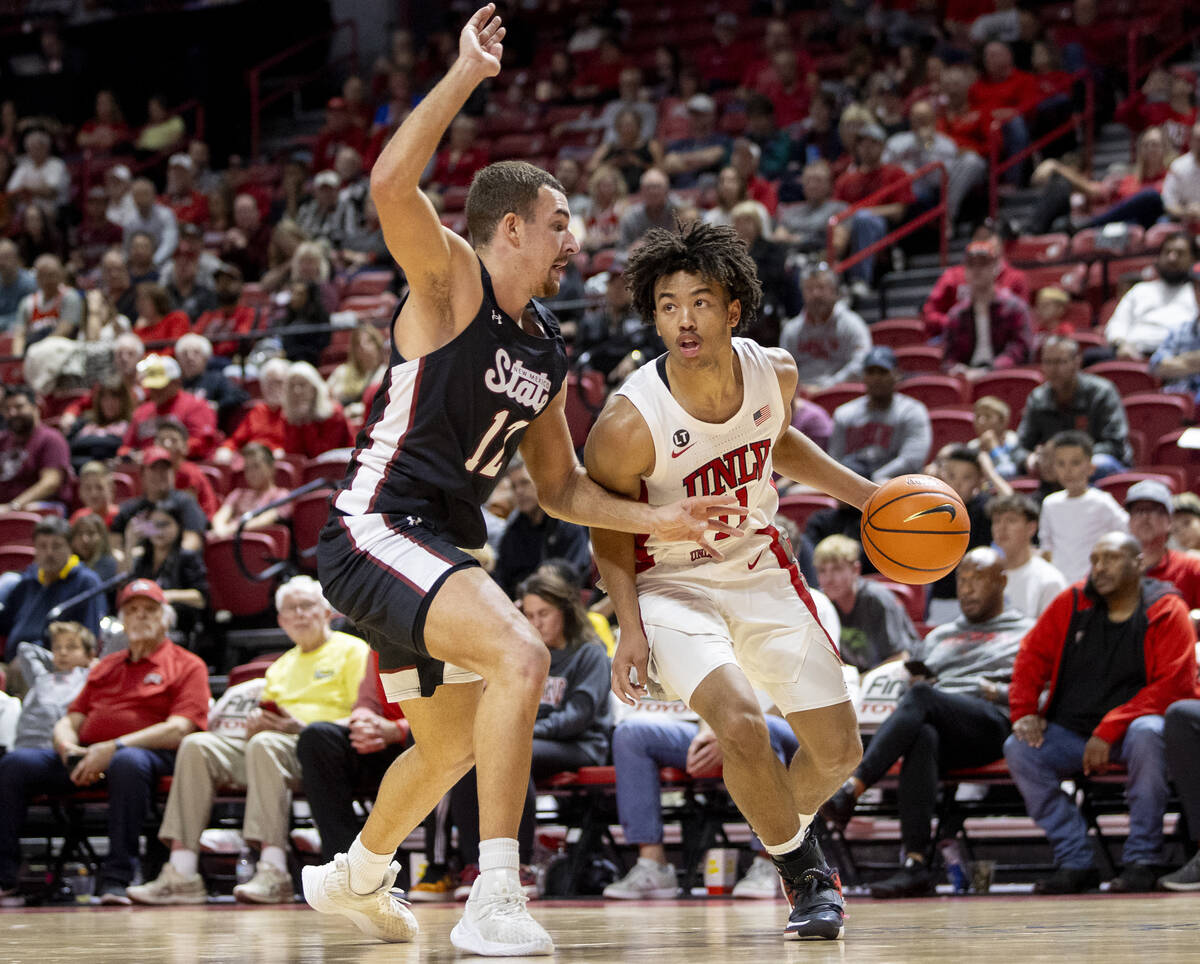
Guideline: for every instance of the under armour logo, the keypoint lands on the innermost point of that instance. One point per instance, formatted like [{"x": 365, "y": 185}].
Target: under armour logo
[{"x": 497, "y": 318}]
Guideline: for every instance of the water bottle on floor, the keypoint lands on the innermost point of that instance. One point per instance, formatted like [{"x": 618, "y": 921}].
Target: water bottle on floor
[
  {"x": 80, "y": 883},
  {"x": 956, "y": 866}
]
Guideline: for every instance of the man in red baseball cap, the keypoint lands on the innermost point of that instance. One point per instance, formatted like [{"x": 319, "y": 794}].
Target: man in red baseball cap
[{"x": 121, "y": 730}]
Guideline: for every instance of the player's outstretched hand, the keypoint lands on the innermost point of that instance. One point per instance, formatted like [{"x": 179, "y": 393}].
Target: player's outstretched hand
[
  {"x": 479, "y": 43},
  {"x": 631, "y": 658},
  {"x": 688, "y": 520}
]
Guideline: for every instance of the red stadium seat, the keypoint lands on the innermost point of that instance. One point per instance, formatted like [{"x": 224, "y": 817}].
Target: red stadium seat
[
  {"x": 898, "y": 332},
  {"x": 1103, "y": 276},
  {"x": 1118, "y": 484},
  {"x": 951, "y": 427},
  {"x": 229, "y": 590},
  {"x": 15, "y": 558},
  {"x": 913, "y": 597},
  {"x": 1079, "y": 315},
  {"x": 919, "y": 359},
  {"x": 518, "y": 145},
  {"x": 309, "y": 513},
  {"x": 1025, "y": 485},
  {"x": 800, "y": 506},
  {"x": 329, "y": 465},
  {"x": 1012, "y": 387},
  {"x": 1176, "y": 473},
  {"x": 1130, "y": 377},
  {"x": 1069, "y": 277},
  {"x": 934, "y": 391},
  {"x": 1157, "y": 414},
  {"x": 1158, "y": 233},
  {"x": 368, "y": 283},
  {"x": 1084, "y": 244},
  {"x": 585, "y": 397},
  {"x": 1137, "y": 442},
  {"x": 833, "y": 396},
  {"x": 16, "y": 528},
  {"x": 217, "y": 479},
  {"x": 287, "y": 476},
  {"x": 125, "y": 486},
  {"x": 1038, "y": 248},
  {"x": 1088, "y": 339}
]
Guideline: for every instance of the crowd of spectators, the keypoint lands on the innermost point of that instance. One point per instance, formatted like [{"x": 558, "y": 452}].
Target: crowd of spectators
[{"x": 198, "y": 335}]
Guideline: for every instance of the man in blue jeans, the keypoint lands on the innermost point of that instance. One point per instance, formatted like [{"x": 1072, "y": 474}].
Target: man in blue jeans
[
  {"x": 1112, "y": 654},
  {"x": 667, "y": 734}
]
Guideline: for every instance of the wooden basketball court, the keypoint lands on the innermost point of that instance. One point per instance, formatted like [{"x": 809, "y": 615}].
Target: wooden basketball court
[{"x": 1161, "y": 929}]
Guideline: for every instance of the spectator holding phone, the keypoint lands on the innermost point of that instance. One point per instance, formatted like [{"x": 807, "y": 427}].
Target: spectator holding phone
[
  {"x": 954, "y": 715},
  {"x": 316, "y": 680}
]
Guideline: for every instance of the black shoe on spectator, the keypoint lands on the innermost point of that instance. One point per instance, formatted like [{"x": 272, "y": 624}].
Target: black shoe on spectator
[
  {"x": 839, "y": 808},
  {"x": 1068, "y": 881},
  {"x": 1186, "y": 878},
  {"x": 1134, "y": 879},
  {"x": 113, "y": 892},
  {"x": 914, "y": 879}
]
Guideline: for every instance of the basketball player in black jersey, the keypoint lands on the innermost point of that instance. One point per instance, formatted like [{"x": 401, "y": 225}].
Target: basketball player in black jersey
[
  {"x": 714, "y": 630},
  {"x": 477, "y": 369}
]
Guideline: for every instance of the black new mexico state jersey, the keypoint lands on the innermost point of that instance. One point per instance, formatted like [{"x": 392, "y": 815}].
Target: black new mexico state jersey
[{"x": 444, "y": 426}]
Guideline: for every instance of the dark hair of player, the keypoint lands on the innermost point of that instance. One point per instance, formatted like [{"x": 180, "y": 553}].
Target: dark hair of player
[{"x": 714, "y": 252}]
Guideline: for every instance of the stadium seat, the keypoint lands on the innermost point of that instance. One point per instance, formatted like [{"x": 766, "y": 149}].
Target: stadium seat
[
  {"x": 309, "y": 513},
  {"x": 16, "y": 528},
  {"x": 1158, "y": 232},
  {"x": 801, "y": 505},
  {"x": 951, "y": 427},
  {"x": 935, "y": 391},
  {"x": 898, "y": 332},
  {"x": 217, "y": 478},
  {"x": 1176, "y": 473},
  {"x": 368, "y": 283},
  {"x": 15, "y": 558},
  {"x": 287, "y": 476},
  {"x": 1137, "y": 442},
  {"x": 833, "y": 396},
  {"x": 1038, "y": 248},
  {"x": 1130, "y": 377},
  {"x": 1118, "y": 483},
  {"x": 1084, "y": 245},
  {"x": 1069, "y": 277},
  {"x": 1103, "y": 276},
  {"x": 1157, "y": 414},
  {"x": 919, "y": 359},
  {"x": 913, "y": 597},
  {"x": 329, "y": 465},
  {"x": 1088, "y": 339},
  {"x": 125, "y": 486},
  {"x": 1079, "y": 316},
  {"x": 454, "y": 199},
  {"x": 1011, "y": 386},
  {"x": 229, "y": 590},
  {"x": 1025, "y": 485},
  {"x": 585, "y": 397},
  {"x": 518, "y": 145}
]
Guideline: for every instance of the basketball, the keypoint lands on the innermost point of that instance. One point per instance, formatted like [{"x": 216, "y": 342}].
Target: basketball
[{"x": 915, "y": 529}]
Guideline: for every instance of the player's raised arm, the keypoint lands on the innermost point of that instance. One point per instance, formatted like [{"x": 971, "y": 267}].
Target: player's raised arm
[
  {"x": 415, "y": 237},
  {"x": 565, "y": 491},
  {"x": 800, "y": 459}
]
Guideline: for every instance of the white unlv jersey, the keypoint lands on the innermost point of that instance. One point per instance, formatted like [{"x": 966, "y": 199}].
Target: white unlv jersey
[{"x": 692, "y": 457}]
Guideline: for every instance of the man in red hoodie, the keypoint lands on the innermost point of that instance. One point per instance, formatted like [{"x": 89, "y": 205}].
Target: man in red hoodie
[{"x": 1112, "y": 654}]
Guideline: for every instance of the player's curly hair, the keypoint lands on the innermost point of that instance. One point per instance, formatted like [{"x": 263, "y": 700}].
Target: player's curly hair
[{"x": 715, "y": 252}]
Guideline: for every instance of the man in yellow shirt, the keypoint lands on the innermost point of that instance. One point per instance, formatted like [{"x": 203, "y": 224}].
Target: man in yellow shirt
[{"x": 316, "y": 680}]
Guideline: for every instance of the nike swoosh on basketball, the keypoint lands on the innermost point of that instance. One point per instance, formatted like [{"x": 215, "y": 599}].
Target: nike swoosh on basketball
[
  {"x": 676, "y": 455},
  {"x": 756, "y": 558},
  {"x": 945, "y": 507}
]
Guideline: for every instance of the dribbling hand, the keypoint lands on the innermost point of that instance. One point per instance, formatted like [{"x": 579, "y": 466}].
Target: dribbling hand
[
  {"x": 479, "y": 43},
  {"x": 632, "y": 656},
  {"x": 690, "y": 519}
]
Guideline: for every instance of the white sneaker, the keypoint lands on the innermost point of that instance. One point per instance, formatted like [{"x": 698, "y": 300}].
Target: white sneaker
[
  {"x": 647, "y": 880},
  {"x": 170, "y": 887},
  {"x": 761, "y": 881},
  {"x": 496, "y": 923},
  {"x": 269, "y": 885},
  {"x": 382, "y": 914}
]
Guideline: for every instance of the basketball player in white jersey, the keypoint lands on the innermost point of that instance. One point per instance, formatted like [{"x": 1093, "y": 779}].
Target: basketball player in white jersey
[
  {"x": 711, "y": 416},
  {"x": 477, "y": 368}
]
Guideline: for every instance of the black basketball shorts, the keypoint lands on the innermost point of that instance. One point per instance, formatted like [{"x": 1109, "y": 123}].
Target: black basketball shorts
[{"x": 382, "y": 571}]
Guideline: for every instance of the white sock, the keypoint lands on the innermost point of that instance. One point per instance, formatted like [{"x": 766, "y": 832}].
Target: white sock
[
  {"x": 275, "y": 857},
  {"x": 367, "y": 869},
  {"x": 778, "y": 850},
  {"x": 498, "y": 862},
  {"x": 185, "y": 862},
  {"x": 806, "y": 820}
]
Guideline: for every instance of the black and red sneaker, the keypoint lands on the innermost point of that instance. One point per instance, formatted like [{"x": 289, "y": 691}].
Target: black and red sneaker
[{"x": 818, "y": 911}]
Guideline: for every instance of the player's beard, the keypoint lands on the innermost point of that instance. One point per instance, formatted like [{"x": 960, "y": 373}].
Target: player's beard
[{"x": 550, "y": 286}]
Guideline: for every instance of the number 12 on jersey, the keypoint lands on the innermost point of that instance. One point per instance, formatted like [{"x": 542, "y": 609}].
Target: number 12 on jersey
[{"x": 492, "y": 468}]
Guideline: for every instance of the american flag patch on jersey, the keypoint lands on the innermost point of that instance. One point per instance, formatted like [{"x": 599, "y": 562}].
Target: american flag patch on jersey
[{"x": 762, "y": 415}]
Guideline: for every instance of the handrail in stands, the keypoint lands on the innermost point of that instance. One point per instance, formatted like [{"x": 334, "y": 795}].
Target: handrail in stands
[
  {"x": 1149, "y": 26},
  {"x": 935, "y": 213},
  {"x": 259, "y": 101},
  {"x": 1087, "y": 117},
  {"x": 278, "y": 565}
]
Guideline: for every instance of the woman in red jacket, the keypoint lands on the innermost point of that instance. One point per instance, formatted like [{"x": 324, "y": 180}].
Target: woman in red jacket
[{"x": 313, "y": 422}]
